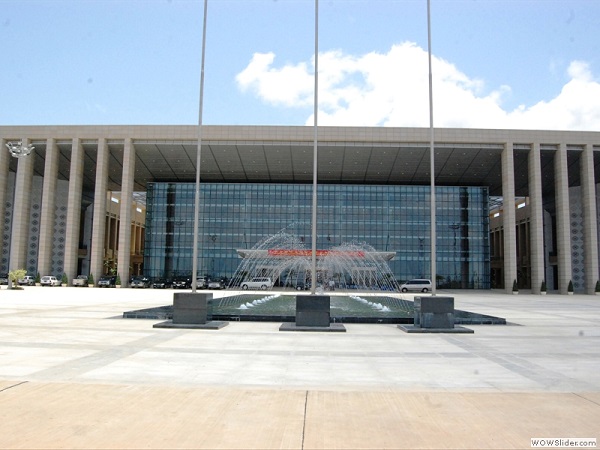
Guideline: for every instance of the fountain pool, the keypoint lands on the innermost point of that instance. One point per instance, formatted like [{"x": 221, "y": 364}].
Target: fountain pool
[{"x": 277, "y": 307}]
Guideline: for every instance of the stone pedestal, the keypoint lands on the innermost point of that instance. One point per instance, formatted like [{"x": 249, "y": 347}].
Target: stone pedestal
[
  {"x": 434, "y": 315},
  {"x": 191, "y": 310},
  {"x": 312, "y": 314}
]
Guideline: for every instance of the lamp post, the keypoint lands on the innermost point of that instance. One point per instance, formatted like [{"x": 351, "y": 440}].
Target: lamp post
[
  {"x": 431, "y": 160},
  {"x": 313, "y": 270},
  {"x": 198, "y": 155}
]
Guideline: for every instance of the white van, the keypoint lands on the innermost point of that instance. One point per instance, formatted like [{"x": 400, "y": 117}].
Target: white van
[{"x": 418, "y": 285}]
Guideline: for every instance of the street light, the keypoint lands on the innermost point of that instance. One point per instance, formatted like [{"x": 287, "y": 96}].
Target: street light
[{"x": 18, "y": 150}]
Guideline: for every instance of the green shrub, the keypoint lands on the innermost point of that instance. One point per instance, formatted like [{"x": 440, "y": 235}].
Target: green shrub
[
  {"x": 515, "y": 287},
  {"x": 570, "y": 288}
]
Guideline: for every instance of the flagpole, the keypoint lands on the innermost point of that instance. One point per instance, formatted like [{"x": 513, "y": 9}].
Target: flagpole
[
  {"x": 198, "y": 156},
  {"x": 431, "y": 158},
  {"x": 313, "y": 283}
]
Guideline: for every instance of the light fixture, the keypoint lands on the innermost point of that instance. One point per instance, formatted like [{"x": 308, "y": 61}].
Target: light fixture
[{"x": 18, "y": 150}]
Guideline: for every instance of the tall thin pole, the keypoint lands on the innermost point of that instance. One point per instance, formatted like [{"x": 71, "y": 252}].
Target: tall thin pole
[
  {"x": 431, "y": 156},
  {"x": 198, "y": 156},
  {"x": 313, "y": 283}
]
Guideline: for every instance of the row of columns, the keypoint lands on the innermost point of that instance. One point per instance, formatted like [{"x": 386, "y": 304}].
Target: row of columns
[
  {"x": 22, "y": 206},
  {"x": 563, "y": 231}
]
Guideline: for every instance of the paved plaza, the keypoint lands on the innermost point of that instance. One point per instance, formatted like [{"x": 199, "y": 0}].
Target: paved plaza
[{"x": 75, "y": 374}]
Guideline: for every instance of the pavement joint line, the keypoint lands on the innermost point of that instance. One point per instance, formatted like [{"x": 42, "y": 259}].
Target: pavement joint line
[
  {"x": 304, "y": 418},
  {"x": 13, "y": 386},
  {"x": 516, "y": 364},
  {"x": 102, "y": 358},
  {"x": 586, "y": 398}
]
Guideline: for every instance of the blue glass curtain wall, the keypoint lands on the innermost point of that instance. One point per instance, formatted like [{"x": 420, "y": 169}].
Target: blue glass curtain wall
[{"x": 390, "y": 218}]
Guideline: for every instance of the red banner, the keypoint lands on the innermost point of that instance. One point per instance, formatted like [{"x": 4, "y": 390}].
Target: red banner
[{"x": 320, "y": 253}]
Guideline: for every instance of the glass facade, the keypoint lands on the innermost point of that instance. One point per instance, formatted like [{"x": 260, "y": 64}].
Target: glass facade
[{"x": 389, "y": 218}]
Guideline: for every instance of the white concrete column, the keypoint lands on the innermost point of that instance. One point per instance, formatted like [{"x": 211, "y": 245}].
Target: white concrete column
[
  {"x": 590, "y": 226},
  {"x": 536, "y": 229},
  {"x": 74, "y": 210},
  {"x": 4, "y": 170},
  {"x": 508, "y": 215},
  {"x": 563, "y": 228},
  {"x": 124, "y": 258},
  {"x": 114, "y": 236},
  {"x": 21, "y": 212},
  {"x": 48, "y": 208},
  {"x": 99, "y": 220},
  {"x": 133, "y": 241}
]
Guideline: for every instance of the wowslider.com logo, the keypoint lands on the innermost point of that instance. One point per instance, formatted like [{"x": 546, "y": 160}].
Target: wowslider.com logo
[{"x": 563, "y": 442}]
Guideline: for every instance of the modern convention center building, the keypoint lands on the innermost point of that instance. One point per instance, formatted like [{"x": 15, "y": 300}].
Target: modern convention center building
[{"x": 510, "y": 204}]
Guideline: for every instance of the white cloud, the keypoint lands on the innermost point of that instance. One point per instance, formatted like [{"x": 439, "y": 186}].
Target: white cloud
[
  {"x": 391, "y": 89},
  {"x": 288, "y": 86}
]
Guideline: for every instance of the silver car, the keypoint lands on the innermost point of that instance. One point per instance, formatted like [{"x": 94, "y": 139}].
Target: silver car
[
  {"x": 140, "y": 282},
  {"x": 50, "y": 280},
  {"x": 27, "y": 280},
  {"x": 215, "y": 284},
  {"x": 81, "y": 280}
]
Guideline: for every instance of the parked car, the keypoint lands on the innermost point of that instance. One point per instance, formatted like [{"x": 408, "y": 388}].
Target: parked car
[
  {"x": 216, "y": 284},
  {"x": 139, "y": 282},
  {"x": 182, "y": 283},
  {"x": 301, "y": 286},
  {"x": 27, "y": 280},
  {"x": 81, "y": 280},
  {"x": 201, "y": 283},
  {"x": 50, "y": 280},
  {"x": 4, "y": 279},
  {"x": 262, "y": 283},
  {"x": 418, "y": 285},
  {"x": 107, "y": 281},
  {"x": 162, "y": 283}
]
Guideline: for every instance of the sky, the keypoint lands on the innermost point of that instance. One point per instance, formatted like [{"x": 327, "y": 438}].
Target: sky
[{"x": 512, "y": 64}]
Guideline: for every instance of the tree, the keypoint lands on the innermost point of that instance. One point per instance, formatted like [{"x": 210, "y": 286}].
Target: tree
[{"x": 15, "y": 275}]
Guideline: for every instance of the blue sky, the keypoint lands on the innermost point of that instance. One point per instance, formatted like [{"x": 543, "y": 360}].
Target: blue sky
[{"x": 497, "y": 64}]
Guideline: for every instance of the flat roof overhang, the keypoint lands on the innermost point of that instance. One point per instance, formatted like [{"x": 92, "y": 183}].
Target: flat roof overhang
[{"x": 281, "y": 154}]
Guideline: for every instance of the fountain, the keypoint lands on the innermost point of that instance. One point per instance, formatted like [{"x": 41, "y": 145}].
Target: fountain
[
  {"x": 284, "y": 258},
  {"x": 351, "y": 267}
]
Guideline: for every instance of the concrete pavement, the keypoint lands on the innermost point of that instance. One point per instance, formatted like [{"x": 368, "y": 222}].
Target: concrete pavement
[{"x": 74, "y": 374}]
